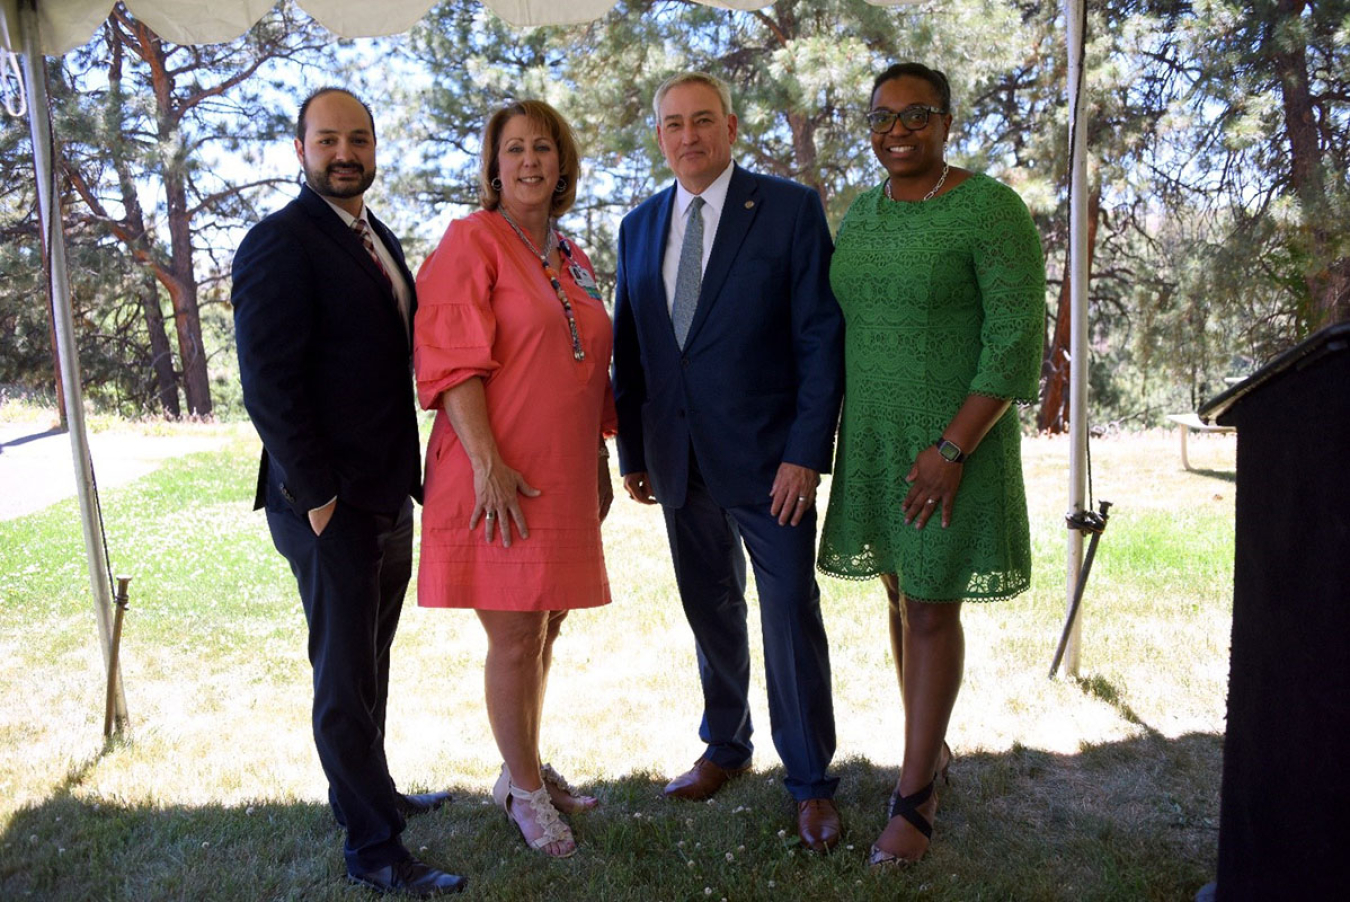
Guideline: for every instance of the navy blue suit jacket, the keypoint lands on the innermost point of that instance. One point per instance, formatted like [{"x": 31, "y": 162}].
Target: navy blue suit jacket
[
  {"x": 325, "y": 362},
  {"x": 760, "y": 378}
]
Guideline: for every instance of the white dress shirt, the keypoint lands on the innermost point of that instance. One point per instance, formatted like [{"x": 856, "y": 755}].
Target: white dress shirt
[{"x": 714, "y": 200}]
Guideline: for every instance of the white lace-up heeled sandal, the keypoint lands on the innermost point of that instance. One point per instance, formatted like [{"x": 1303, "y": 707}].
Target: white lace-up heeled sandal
[
  {"x": 553, "y": 830},
  {"x": 575, "y": 802}
]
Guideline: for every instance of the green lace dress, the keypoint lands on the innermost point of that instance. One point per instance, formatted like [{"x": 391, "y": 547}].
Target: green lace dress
[{"x": 942, "y": 299}]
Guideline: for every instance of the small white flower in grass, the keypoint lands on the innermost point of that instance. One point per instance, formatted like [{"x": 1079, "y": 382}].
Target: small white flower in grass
[
  {"x": 637, "y": 815},
  {"x": 680, "y": 844},
  {"x": 421, "y": 848},
  {"x": 791, "y": 852},
  {"x": 730, "y": 857},
  {"x": 690, "y": 862},
  {"x": 849, "y": 847},
  {"x": 689, "y": 822},
  {"x": 206, "y": 845},
  {"x": 740, "y": 848},
  {"x": 782, "y": 833},
  {"x": 250, "y": 809},
  {"x": 707, "y": 890},
  {"x": 771, "y": 884}
]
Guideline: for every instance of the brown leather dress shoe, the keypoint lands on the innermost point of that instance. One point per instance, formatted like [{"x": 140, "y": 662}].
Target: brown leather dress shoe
[
  {"x": 818, "y": 824},
  {"x": 701, "y": 781}
]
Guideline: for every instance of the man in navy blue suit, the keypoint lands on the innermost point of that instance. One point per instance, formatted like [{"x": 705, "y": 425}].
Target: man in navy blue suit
[
  {"x": 323, "y": 304},
  {"x": 728, "y": 373}
]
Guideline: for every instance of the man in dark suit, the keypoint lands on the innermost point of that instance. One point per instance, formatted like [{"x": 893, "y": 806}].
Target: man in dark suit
[
  {"x": 728, "y": 373},
  {"x": 323, "y": 303}
]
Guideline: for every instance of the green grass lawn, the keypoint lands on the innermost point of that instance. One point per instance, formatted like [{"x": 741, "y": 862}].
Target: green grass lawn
[{"x": 1105, "y": 787}]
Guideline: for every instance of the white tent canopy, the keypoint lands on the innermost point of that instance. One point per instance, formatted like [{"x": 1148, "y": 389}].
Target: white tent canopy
[
  {"x": 34, "y": 28},
  {"x": 67, "y": 24}
]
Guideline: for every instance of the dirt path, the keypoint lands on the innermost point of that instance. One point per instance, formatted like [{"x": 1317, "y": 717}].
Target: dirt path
[{"x": 37, "y": 463}]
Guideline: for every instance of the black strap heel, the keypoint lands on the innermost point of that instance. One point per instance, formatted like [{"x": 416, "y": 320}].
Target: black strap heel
[{"x": 908, "y": 808}]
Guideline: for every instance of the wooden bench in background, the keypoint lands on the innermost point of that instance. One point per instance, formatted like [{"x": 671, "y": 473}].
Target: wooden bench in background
[{"x": 1188, "y": 421}]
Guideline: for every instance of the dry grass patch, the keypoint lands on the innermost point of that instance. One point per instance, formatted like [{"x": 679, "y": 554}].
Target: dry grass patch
[{"x": 1102, "y": 788}]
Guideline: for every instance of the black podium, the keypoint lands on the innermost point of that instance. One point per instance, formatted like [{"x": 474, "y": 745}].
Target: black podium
[{"x": 1284, "y": 814}]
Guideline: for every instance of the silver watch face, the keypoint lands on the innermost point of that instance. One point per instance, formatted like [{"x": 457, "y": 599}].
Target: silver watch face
[{"x": 948, "y": 450}]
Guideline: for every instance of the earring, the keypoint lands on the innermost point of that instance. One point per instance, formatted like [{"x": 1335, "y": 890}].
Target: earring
[
  {"x": 496, "y": 184},
  {"x": 561, "y": 186}
]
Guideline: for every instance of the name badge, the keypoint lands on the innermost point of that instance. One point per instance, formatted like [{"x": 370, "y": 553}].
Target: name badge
[{"x": 583, "y": 277}]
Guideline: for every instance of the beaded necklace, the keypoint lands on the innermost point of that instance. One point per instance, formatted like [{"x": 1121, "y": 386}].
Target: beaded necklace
[{"x": 577, "y": 353}]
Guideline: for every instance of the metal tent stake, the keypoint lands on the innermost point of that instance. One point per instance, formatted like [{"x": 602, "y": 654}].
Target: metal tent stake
[
  {"x": 1095, "y": 524},
  {"x": 120, "y": 610}
]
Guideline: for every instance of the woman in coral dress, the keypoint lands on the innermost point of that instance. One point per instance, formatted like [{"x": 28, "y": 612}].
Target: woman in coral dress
[{"x": 512, "y": 348}]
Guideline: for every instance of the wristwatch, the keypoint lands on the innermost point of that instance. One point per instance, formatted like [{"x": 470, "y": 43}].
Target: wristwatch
[{"x": 950, "y": 451}]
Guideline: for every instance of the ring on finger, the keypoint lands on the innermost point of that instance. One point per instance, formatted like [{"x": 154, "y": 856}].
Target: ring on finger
[
  {"x": 932, "y": 501},
  {"x": 801, "y": 499},
  {"x": 491, "y": 515}
]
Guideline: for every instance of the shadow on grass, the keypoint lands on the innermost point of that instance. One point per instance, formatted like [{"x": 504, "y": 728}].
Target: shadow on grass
[
  {"x": 1126, "y": 820},
  {"x": 25, "y": 439},
  {"x": 1225, "y": 475},
  {"x": 1101, "y": 688}
]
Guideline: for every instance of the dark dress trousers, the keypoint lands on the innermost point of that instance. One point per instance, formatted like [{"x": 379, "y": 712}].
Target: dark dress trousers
[
  {"x": 324, "y": 358},
  {"x": 758, "y": 383}
]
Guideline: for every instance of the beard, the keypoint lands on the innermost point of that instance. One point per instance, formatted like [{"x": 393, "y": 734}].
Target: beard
[{"x": 321, "y": 180}]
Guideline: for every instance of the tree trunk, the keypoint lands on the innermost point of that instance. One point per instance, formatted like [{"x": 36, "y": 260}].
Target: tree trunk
[
  {"x": 161, "y": 356},
  {"x": 181, "y": 280},
  {"x": 138, "y": 240},
  {"x": 1328, "y": 280},
  {"x": 1054, "y": 414}
]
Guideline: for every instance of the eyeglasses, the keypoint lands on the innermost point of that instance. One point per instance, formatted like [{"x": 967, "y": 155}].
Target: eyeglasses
[{"x": 913, "y": 118}]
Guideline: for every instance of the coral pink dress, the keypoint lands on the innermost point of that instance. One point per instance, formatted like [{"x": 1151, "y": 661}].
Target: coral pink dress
[{"x": 486, "y": 309}]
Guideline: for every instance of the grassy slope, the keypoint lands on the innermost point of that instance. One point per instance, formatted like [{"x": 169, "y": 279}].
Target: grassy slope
[{"x": 1104, "y": 788}]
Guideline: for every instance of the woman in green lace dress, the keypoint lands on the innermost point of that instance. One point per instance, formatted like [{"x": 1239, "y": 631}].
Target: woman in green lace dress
[{"x": 941, "y": 279}]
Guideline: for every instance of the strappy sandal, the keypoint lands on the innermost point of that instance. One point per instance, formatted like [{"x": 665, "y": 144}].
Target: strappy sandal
[
  {"x": 554, "y": 831},
  {"x": 906, "y": 807},
  {"x": 558, "y": 782},
  {"x": 944, "y": 764}
]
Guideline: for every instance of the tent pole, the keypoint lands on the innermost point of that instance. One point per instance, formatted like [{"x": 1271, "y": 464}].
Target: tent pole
[
  {"x": 40, "y": 127},
  {"x": 1078, "y": 332}
]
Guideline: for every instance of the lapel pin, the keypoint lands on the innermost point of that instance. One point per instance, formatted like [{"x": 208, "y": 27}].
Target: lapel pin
[{"x": 749, "y": 205}]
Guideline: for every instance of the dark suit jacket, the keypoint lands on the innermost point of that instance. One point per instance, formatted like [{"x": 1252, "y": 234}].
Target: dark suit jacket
[
  {"x": 761, "y": 375},
  {"x": 325, "y": 362}
]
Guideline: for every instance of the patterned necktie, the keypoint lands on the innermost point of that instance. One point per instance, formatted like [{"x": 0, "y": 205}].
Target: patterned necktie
[
  {"x": 689, "y": 277},
  {"x": 363, "y": 232}
]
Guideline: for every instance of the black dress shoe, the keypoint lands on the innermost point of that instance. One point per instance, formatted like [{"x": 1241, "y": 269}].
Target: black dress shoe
[
  {"x": 409, "y": 805},
  {"x": 410, "y": 877}
]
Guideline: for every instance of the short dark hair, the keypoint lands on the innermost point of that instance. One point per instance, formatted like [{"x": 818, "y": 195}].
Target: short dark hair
[
  {"x": 550, "y": 122},
  {"x": 918, "y": 70},
  {"x": 329, "y": 89}
]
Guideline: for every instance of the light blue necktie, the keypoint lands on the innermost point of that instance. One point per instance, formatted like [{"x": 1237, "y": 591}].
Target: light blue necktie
[{"x": 689, "y": 277}]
